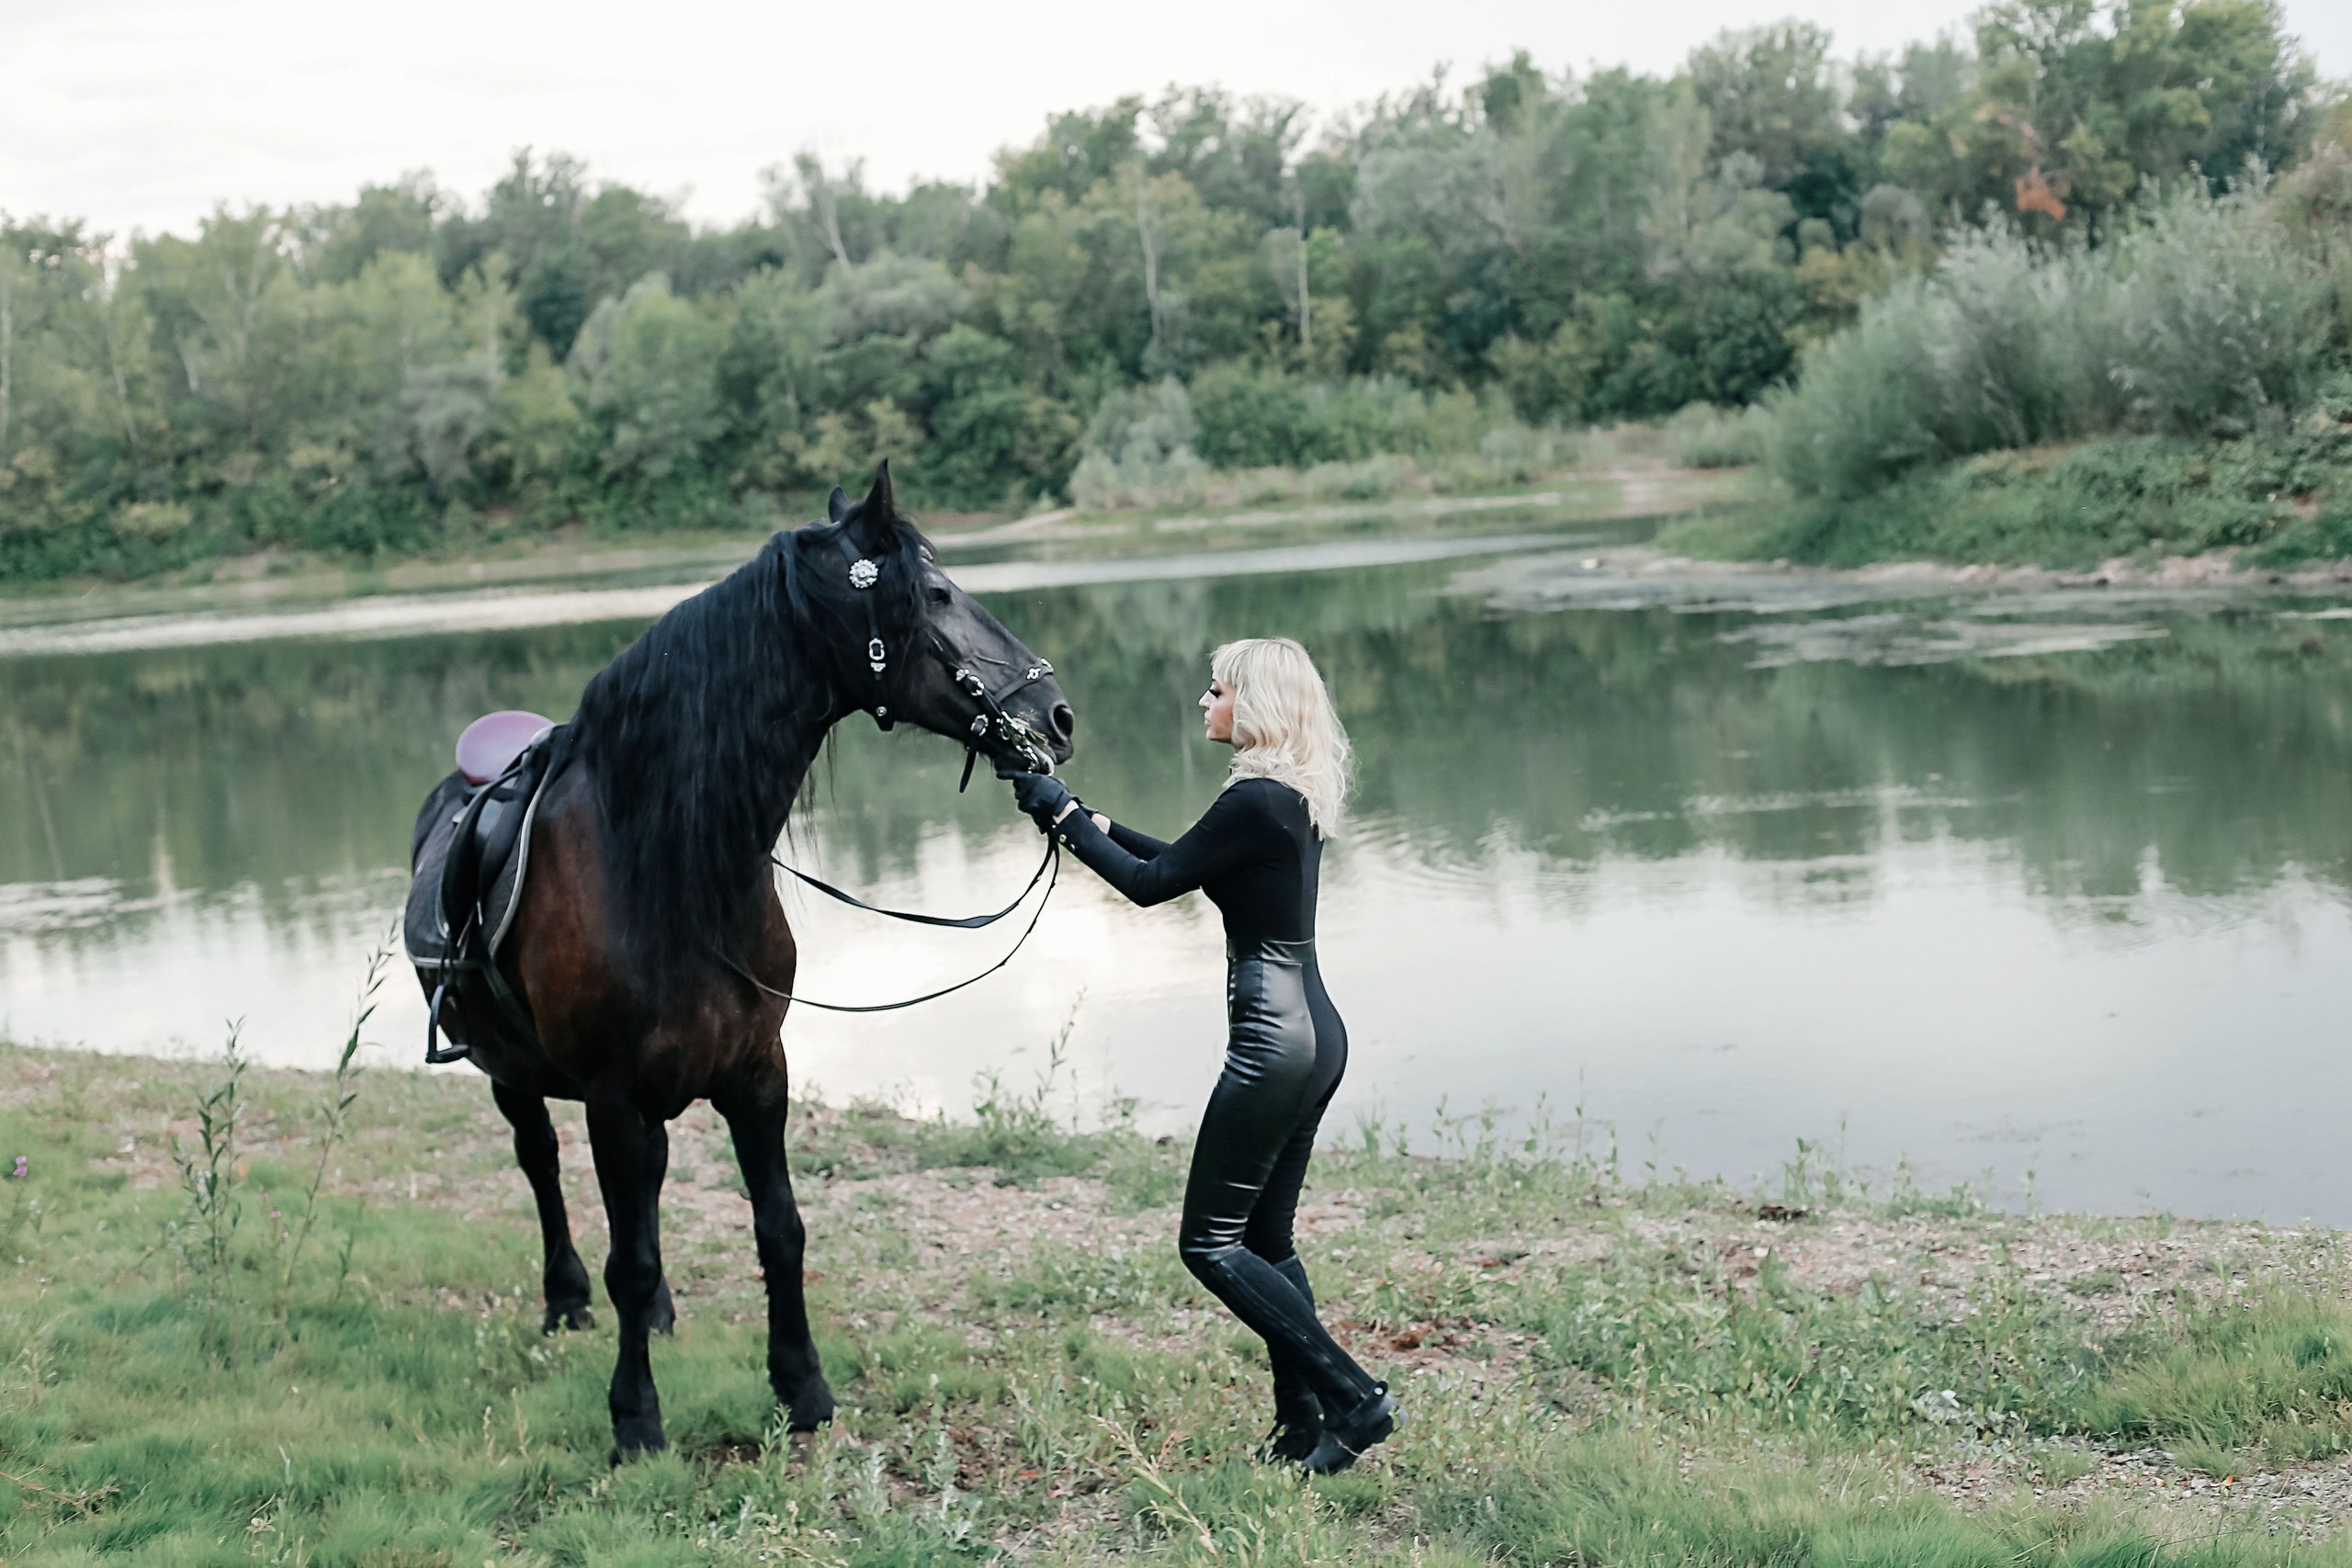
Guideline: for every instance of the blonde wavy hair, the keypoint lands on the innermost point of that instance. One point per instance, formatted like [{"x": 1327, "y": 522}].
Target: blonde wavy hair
[{"x": 1284, "y": 727}]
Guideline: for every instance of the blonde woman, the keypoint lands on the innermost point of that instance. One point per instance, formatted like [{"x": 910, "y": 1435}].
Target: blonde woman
[{"x": 1255, "y": 853}]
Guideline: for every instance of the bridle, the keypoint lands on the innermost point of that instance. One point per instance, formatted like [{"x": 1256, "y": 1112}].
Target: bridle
[{"x": 992, "y": 722}]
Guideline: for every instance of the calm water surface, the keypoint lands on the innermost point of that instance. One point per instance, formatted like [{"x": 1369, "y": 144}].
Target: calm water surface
[{"x": 2017, "y": 890}]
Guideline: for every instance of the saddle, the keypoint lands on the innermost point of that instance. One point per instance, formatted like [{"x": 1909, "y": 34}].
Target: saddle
[{"x": 468, "y": 856}]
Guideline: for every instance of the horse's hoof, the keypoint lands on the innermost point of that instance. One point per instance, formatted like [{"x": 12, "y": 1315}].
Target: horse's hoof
[
  {"x": 636, "y": 1440},
  {"x": 664, "y": 1318},
  {"x": 577, "y": 1318},
  {"x": 812, "y": 1408}
]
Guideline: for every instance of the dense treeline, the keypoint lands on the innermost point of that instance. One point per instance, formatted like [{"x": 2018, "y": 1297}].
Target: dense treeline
[{"x": 1193, "y": 279}]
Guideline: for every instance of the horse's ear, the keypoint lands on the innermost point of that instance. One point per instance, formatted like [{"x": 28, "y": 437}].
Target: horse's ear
[
  {"x": 876, "y": 522},
  {"x": 836, "y": 504},
  {"x": 881, "y": 506}
]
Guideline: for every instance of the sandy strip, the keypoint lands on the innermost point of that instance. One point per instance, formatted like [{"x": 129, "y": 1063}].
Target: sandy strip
[{"x": 416, "y": 615}]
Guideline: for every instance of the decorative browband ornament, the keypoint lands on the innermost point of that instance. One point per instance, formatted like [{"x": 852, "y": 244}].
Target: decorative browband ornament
[{"x": 864, "y": 574}]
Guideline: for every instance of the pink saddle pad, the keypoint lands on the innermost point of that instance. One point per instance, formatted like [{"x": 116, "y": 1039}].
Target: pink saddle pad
[{"x": 495, "y": 739}]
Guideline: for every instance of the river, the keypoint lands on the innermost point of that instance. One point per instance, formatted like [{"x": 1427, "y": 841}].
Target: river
[{"x": 2047, "y": 893}]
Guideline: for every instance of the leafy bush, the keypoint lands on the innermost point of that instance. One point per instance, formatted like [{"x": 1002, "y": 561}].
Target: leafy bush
[
  {"x": 1256, "y": 417},
  {"x": 1280, "y": 437},
  {"x": 2201, "y": 319},
  {"x": 1140, "y": 442},
  {"x": 1701, "y": 435}
]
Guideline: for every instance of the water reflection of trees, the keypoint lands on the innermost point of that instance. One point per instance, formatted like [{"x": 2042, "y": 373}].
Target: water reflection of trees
[
  {"x": 273, "y": 765},
  {"x": 2217, "y": 753}
]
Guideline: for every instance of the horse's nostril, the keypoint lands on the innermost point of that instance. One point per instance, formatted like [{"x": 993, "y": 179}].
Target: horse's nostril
[{"x": 1063, "y": 721}]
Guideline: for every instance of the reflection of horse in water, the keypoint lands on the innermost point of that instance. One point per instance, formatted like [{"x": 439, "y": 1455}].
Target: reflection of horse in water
[{"x": 641, "y": 964}]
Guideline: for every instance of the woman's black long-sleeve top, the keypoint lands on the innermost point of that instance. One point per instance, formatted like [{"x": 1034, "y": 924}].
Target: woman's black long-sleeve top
[{"x": 1255, "y": 853}]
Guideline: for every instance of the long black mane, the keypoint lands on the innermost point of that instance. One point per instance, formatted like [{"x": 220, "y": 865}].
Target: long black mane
[{"x": 699, "y": 734}]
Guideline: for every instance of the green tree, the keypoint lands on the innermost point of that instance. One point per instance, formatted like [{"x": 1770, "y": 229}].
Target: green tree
[
  {"x": 1772, "y": 94},
  {"x": 651, "y": 361},
  {"x": 2075, "y": 103}
]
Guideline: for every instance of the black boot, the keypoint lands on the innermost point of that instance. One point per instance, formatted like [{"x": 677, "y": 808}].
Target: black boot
[
  {"x": 1298, "y": 1422},
  {"x": 1346, "y": 1437},
  {"x": 1298, "y": 1415}
]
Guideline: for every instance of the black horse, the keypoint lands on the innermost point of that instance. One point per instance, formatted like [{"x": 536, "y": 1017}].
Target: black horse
[{"x": 649, "y": 946}]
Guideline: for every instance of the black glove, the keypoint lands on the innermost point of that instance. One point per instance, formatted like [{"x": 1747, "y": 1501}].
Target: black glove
[{"x": 1042, "y": 796}]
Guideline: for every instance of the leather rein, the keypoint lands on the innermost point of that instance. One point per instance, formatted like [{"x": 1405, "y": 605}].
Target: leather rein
[{"x": 991, "y": 723}]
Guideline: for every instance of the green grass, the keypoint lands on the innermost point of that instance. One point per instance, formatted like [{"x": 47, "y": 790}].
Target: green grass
[
  {"x": 1599, "y": 1368},
  {"x": 2273, "y": 1373}
]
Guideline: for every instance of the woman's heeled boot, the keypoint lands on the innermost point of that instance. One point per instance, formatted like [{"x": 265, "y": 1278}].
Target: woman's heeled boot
[
  {"x": 1298, "y": 1415},
  {"x": 1347, "y": 1437}
]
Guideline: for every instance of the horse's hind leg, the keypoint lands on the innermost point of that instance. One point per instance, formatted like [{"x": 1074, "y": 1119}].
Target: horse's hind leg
[
  {"x": 756, "y": 1119},
  {"x": 566, "y": 1279},
  {"x": 632, "y": 1155}
]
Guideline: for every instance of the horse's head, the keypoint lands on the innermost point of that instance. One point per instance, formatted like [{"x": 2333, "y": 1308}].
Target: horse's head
[{"x": 923, "y": 650}]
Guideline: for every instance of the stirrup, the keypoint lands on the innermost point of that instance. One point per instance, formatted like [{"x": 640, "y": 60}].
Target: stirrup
[{"x": 435, "y": 1054}]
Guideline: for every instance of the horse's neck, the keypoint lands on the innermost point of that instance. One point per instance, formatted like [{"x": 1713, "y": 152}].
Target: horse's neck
[{"x": 797, "y": 741}]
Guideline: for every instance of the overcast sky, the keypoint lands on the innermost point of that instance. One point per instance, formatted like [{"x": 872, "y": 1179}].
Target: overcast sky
[{"x": 142, "y": 114}]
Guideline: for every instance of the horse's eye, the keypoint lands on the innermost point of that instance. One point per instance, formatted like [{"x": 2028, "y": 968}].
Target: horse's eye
[{"x": 939, "y": 594}]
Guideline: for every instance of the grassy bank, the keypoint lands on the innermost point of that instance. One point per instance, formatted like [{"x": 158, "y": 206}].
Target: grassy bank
[
  {"x": 2274, "y": 501},
  {"x": 1600, "y": 1368}
]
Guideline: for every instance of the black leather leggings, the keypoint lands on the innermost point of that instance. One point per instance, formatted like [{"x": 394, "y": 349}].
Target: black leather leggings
[{"x": 1283, "y": 1058}]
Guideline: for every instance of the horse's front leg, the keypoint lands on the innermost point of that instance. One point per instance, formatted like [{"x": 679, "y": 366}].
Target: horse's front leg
[
  {"x": 565, "y": 1281},
  {"x": 632, "y": 1156},
  {"x": 755, "y": 1117}
]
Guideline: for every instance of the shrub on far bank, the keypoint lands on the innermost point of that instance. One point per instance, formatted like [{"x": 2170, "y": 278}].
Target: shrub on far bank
[
  {"x": 2280, "y": 498},
  {"x": 1704, "y": 436},
  {"x": 2208, "y": 319},
  {"x": 1246, "y": 435}
]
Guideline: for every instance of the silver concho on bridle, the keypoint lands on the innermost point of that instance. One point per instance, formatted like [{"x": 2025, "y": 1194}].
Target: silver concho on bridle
[{"x": 863, "y": 574}]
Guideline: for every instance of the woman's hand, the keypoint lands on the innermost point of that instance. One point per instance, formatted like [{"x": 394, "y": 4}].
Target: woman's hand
[{"x": 1043, "y": 797}]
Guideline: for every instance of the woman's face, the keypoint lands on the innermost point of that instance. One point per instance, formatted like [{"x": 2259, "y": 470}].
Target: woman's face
[{"x": 1216, "y": 711}]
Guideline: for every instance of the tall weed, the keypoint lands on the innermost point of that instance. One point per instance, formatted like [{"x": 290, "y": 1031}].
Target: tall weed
[
  {"x": 334, "y": 1122},
  {"x": 211, "y": 1177}
]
